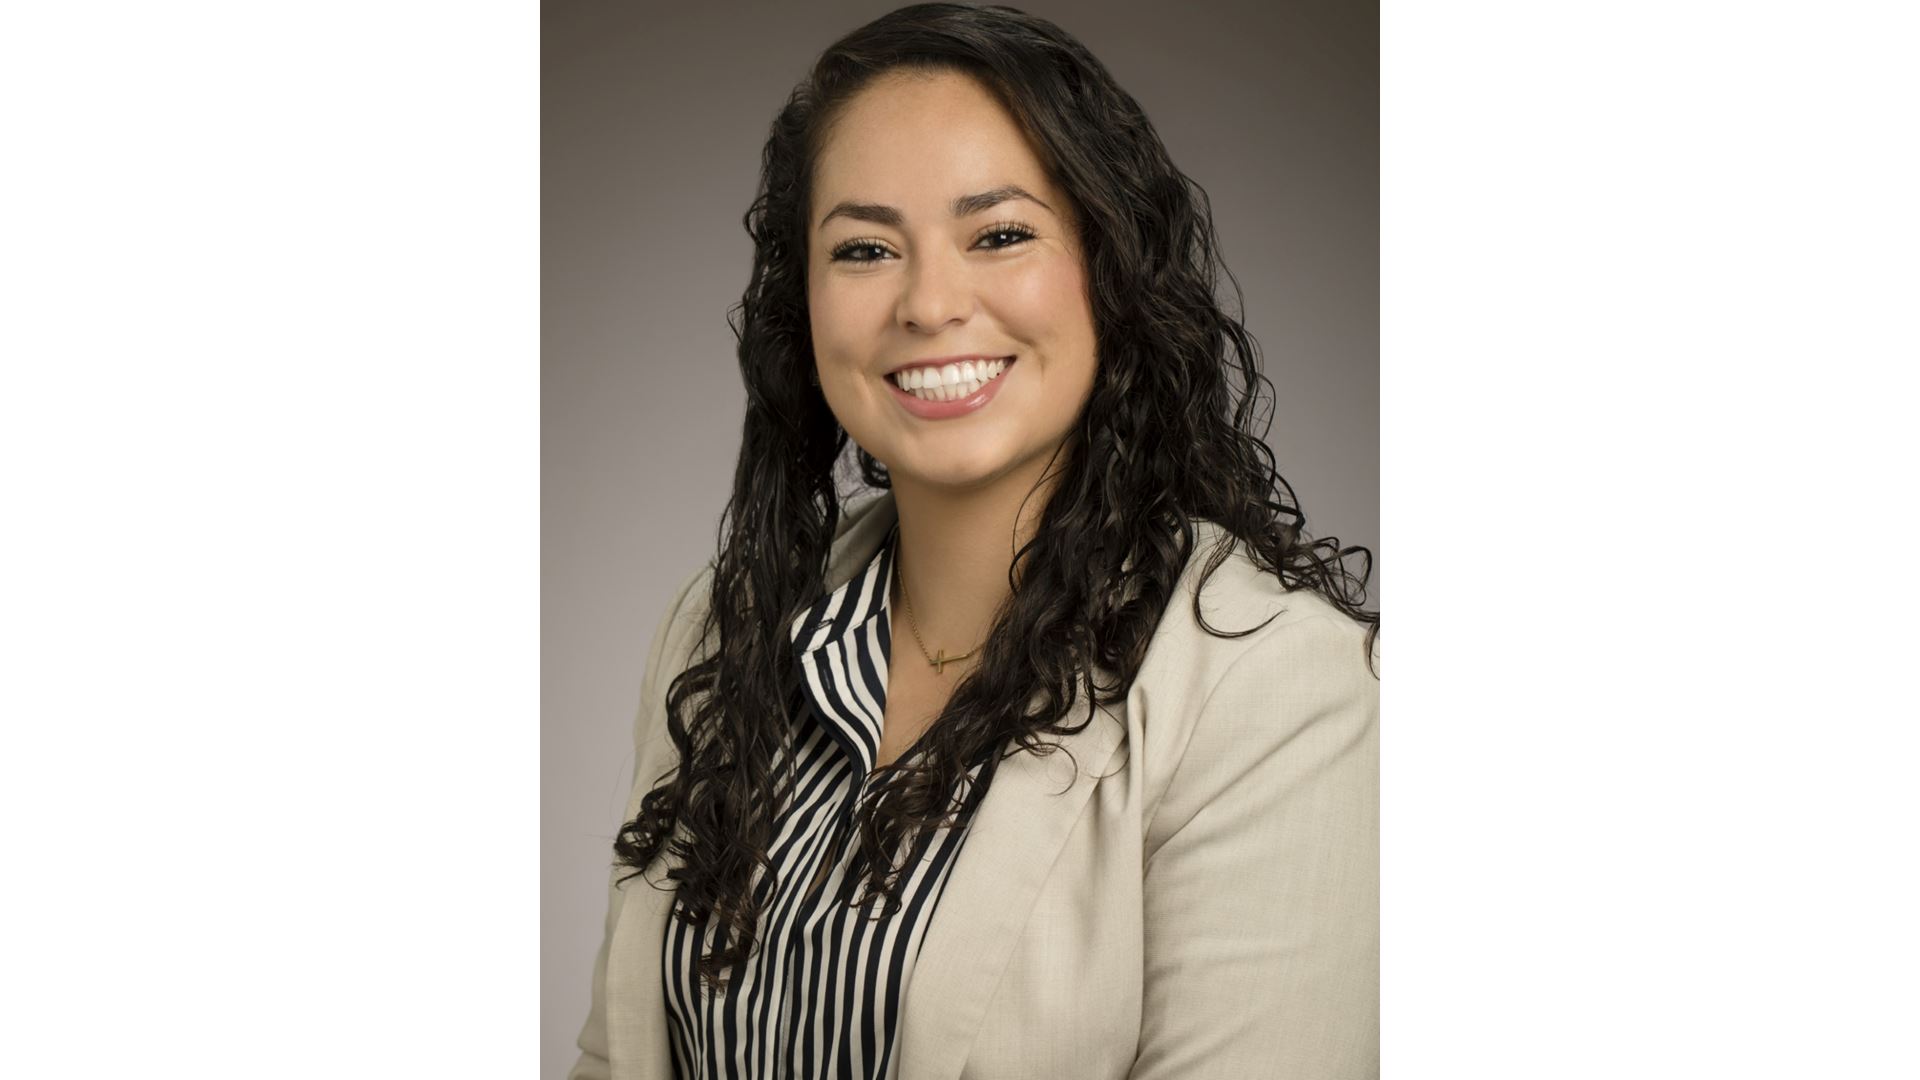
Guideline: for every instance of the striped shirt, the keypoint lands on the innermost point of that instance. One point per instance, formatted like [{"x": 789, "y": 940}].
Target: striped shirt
[{"x": 822, "y": 995}]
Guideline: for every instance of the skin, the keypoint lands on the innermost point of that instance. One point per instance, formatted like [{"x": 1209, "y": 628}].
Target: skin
[{"x": 937, "y": 285}]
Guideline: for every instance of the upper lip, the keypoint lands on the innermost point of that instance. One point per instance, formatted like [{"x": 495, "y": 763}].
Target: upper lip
[{"x": 941, "y": 361}]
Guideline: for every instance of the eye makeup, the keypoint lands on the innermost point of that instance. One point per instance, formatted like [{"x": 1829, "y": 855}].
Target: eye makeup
[{"x": 844, "y": 252}]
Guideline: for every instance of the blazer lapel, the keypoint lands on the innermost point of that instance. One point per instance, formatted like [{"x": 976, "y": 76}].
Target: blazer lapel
[{"x": 1016, "y": 834}]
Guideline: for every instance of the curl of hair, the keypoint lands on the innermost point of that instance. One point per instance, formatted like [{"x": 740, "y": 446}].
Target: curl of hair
[{"x": 1173, "y": 432}]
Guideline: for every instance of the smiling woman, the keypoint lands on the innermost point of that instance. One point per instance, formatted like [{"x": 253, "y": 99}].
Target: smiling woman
[{"x": 1107, "y": 807}]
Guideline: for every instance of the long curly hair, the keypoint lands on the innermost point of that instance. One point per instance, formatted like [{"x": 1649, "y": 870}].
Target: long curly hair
[{"x": 1172, "y": 433}]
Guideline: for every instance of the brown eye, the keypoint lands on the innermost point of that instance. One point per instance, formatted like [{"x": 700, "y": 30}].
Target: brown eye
[
  {"x": 1015, "y": 235},
  {"x": 848, "y": 252}
]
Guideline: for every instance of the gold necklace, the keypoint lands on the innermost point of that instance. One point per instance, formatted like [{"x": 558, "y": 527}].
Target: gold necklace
[{"x": 940, "y": 661}]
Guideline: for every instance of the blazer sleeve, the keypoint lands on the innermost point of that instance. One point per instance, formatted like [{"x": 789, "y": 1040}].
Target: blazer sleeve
[
  {"x": 592, "y": 1063},
  {"x": 1261, "y": 951}
]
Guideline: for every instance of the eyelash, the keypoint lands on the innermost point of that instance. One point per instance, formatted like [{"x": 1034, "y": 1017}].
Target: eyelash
[{"x": 1011, "y": 228}]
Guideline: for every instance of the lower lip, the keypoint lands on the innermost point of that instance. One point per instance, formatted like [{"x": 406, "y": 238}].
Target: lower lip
[{"x": 947, "y": 410}]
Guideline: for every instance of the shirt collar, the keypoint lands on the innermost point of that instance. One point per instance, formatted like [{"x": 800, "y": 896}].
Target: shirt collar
[
  {"x": 842, "y": 643},
  {"x": 857, "y": 602}
]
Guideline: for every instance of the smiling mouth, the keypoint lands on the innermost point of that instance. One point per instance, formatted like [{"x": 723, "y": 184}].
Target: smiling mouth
[{"x": 951, "y": 382}]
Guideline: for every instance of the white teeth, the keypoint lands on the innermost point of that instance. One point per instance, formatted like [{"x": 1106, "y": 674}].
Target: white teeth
[{"x": 950, "y": 382}]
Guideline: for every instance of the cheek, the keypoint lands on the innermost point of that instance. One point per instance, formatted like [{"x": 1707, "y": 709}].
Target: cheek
[
  {"x": 1046, "y": 306},
  {"x": 834, "y": 311},
  {"x": 1047, "y": 302}
]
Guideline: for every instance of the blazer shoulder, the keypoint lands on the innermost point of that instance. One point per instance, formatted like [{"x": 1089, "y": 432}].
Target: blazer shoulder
[
  {"x": 675, "y": 640},
  {"x": 686, "y": 611},
  {"x": 693, "y": 595},
  {"x": 1237, "y": 597},
  {"x": 1207, "y": 705}
]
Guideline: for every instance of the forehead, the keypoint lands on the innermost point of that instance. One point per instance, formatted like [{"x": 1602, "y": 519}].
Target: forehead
[{"x": 915, "y": 140}]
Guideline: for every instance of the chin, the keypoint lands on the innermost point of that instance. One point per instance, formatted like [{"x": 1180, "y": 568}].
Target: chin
[{"x": 977, "y": 471}]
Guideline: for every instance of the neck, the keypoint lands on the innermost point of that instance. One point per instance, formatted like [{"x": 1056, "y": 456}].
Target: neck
[{"x": 956, "y": 548}]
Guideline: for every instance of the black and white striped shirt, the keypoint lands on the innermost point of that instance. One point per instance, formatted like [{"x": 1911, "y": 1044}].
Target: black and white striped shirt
[{"x": 821, "y": 997}]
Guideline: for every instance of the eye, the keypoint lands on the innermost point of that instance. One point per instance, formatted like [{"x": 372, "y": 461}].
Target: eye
[
  {"x": 864, "y": 250},
  {"x": 1016, "y": 233},
  {"x": 848, "y": 252}
]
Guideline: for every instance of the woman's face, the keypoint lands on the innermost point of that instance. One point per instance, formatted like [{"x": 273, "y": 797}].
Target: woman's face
[{"x": 921, "y": 247}]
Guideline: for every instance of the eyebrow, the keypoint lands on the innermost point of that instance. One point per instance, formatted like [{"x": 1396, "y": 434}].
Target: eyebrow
[{"x": 880, "y": 214}]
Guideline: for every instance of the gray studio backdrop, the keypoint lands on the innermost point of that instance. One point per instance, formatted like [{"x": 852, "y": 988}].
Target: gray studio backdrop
[{"x": 652, "y": 121}]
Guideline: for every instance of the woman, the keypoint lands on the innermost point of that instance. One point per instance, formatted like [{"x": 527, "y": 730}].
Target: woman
[{"x": 853, "y": 851}]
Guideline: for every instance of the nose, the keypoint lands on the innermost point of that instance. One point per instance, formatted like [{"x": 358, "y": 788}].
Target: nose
[{"x": 938, "y": 292}]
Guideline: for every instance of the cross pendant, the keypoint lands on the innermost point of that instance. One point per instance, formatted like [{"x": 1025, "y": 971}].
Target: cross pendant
[{"x": 940, "y": 661}]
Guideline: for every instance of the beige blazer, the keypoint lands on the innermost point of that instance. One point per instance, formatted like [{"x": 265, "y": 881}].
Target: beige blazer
[{"x": 1200, "y": 898}]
